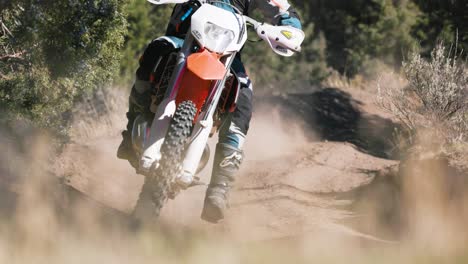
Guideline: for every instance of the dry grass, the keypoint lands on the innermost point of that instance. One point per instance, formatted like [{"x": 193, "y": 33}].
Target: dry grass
[
  {"x": 432, "y": 103},
  {"x": 337, "y": 80},
  {"x": 99, "y": 114}
]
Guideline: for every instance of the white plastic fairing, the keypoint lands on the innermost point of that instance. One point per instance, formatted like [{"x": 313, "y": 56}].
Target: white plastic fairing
[
  {"x": 218, "y": 30},
  {"x": 284, "y": 40},
  {"x": 162, "y": 2}
]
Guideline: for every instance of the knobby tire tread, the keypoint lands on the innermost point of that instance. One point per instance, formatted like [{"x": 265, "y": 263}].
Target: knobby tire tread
[{"x": 157, "y": 185}]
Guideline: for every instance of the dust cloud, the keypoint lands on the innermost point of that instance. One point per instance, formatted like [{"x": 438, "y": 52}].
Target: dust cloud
[
  {"x": 47, "y": 221},
  {"x": 272, "y": 135}
]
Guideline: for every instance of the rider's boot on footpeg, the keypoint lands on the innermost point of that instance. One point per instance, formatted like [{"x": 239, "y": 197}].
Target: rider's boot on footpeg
[
  {"x": 125, "y": 150},
  {"x": 226, "y": 164}
]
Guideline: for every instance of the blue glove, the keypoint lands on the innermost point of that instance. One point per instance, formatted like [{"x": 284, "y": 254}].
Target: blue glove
[{"x": 287, "y": 20}]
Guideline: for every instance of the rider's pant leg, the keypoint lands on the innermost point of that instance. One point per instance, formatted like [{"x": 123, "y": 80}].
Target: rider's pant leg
[
  {"x": 228, "y": 155},
  {"x": 235, "y": 127},
  {"x": 140, "y": 95}
]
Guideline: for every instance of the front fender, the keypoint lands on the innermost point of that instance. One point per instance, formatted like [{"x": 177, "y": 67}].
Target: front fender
[{"x": 206, "y": 65}]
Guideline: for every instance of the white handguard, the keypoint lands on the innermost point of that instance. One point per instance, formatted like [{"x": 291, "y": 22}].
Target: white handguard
[
  {"x": 162, "y": 2},
  {"x": 284, "y": 40}
]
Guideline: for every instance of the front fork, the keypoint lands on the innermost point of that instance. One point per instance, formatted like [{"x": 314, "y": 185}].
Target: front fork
[
  {"x": 202, "y": 128},
  {"x": 201, "y": 131}
]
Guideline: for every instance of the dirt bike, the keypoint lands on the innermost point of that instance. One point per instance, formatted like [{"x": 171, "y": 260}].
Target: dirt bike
[{"x": 195, "y": 89}]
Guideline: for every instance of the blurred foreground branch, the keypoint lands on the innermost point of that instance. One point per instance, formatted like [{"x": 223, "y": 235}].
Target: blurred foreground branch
[{"x": 17, "y": 55}]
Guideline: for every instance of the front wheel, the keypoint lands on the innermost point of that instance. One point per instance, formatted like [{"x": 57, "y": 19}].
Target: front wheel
[{"x": 157, "y": 185}]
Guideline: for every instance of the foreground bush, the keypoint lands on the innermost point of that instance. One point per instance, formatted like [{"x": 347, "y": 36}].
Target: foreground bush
[{"x": 51, "y": 52}]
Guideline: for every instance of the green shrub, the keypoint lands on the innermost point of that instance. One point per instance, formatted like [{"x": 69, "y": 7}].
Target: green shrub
[
  {"x": 54, "y": 51},
  {"x": 445, "y": 21},
  {"x": 145, "y": 23},
  {"x": 359, "y": 31}
]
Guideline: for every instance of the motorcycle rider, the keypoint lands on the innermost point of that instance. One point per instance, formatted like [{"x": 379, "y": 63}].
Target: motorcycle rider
[{"x": 228, "y": 154}]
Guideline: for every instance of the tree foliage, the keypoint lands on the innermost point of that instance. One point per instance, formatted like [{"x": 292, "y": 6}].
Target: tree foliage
[
  {"x": 442, "y": 21},
  {"x": 52, "y": 52},
  {"x": 145, "y": 23},
  {"x": 359, "y": 31}
]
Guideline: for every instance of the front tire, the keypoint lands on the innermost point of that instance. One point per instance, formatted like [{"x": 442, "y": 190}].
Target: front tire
[{"x": 157, "y": 185}]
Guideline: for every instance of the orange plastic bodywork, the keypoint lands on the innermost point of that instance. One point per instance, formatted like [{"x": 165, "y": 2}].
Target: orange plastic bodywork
[
  {"x": 206, "y": 65},
  {"x": 195, "y": 89},
  {"x": 196, "y": 83}
]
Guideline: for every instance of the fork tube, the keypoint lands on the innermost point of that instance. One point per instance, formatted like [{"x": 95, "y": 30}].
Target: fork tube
[
  {"x": 180, "y": 68},
  {"x": 201, "y": 132},
  {"x": 214, "y": 97}
]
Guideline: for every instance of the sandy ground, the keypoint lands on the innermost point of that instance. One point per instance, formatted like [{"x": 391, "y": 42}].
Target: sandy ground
[
  {"x": 320, "y": 184},
  {"x": 302, "y": 152}
]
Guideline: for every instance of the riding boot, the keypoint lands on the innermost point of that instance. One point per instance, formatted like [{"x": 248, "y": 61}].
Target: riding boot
[
  {"x": 226, "y": 164},
  {"x": 138, "y": 101},
  {"x": 125, "y": 150}
]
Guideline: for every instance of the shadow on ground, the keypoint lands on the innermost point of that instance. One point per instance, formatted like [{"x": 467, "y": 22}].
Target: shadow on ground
[{"x": 335, "y": 115}]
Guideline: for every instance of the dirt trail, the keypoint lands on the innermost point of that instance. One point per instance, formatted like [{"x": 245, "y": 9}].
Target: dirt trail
[{"x": 289, "y": 183}]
